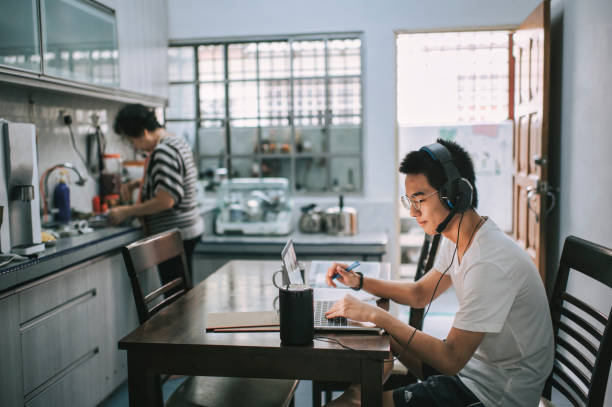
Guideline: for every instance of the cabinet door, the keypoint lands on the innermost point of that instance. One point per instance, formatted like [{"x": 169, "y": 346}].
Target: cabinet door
[
  {"x": 11, "y": 392},
  {"x": 57, "y": 321},
  {"x": 118, "y": 318}
]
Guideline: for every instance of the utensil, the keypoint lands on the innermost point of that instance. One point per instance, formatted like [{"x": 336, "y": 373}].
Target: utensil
[
  {"x": 341, "y": 220},
  {"x": 312, "y": 219}
]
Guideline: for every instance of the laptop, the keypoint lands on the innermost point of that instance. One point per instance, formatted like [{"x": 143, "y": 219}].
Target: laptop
[{"x": 321, "y": 322}]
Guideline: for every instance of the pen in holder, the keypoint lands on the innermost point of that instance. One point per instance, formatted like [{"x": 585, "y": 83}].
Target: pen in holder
[{"x": 296, "y": 315}]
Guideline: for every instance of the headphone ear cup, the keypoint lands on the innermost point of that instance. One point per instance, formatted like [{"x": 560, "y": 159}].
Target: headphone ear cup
[
  {"x": 444, "y": 198},
  {"x": 464, "y": 195}
]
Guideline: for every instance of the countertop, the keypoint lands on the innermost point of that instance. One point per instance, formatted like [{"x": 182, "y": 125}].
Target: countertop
[
  {"x": 66, "y": 252},
  {"x": 318, "y": 243}
]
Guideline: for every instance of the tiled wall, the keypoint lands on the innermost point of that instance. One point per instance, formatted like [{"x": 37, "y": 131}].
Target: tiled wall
[{"x": 44, "y": 109}]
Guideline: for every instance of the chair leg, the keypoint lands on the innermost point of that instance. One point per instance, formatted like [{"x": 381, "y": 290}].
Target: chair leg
[
  {"x": 328, "y": 396},
  {"x": 316, "y": 394}
]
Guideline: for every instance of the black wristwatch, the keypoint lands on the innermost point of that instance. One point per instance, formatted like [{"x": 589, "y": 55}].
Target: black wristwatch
[{"x": 360, "y": 281}]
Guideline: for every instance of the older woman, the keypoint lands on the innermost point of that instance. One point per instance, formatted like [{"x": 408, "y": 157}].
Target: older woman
[{"x": 168, "y": 189}]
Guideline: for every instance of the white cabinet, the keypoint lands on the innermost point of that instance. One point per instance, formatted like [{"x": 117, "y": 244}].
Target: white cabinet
[
  {"x": 58, "y": 336},
  {"x": 142, "y": 27},
  {"x": 11, "y": 382}
]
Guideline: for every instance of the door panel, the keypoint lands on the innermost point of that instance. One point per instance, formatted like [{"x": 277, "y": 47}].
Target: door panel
[{"x": 531, "y": 54}]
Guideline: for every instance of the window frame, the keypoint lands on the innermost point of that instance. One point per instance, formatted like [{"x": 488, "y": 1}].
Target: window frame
[{"x": 293, "y": 156}]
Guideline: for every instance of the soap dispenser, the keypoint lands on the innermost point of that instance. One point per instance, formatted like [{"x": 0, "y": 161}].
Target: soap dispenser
[{"x": 61, "y": 200}]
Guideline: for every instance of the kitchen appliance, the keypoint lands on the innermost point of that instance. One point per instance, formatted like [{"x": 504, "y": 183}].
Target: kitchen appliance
[
  {"x": 312, "y": 219},
  {"x": 20, "y": 231},
  {"x": 341, "y": 220},
  {"x": 253, "y": 206}
]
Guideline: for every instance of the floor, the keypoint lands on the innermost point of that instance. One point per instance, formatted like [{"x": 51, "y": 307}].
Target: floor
[{"x": 437, "y": 323}]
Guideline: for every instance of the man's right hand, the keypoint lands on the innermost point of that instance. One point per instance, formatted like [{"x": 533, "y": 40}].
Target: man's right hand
[{"x": 347, "y": 278}]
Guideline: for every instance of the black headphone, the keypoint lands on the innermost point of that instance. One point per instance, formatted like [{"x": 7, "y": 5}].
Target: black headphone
[{"x": 456, "y": 193}]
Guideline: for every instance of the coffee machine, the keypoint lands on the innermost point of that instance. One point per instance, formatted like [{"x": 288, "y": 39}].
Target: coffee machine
[{"x": 19, "y": 196}]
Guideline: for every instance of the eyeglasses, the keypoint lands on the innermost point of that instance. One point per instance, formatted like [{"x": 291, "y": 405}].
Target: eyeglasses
[{"x": 408, "y": 202}]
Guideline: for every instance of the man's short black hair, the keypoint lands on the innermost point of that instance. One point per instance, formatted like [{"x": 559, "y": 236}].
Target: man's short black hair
[
  {"x": 132, "y": 120},
  {"x": 419, "y": 162}
]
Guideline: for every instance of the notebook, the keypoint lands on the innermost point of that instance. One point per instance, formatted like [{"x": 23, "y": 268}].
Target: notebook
[{"x": 321, "y": 305}]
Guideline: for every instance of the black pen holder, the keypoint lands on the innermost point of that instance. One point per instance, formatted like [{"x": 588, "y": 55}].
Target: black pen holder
[{"x": 296, "y": 315}]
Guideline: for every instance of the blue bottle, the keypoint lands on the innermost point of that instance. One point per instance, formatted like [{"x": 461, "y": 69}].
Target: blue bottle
[{"x": 61, "y": 201}]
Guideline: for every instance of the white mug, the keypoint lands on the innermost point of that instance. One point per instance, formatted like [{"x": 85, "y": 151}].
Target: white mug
[{"x": 285, "y": 276}]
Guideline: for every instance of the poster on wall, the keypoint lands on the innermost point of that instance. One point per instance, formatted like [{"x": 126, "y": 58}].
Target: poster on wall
[{"x": 490, "y": 146}]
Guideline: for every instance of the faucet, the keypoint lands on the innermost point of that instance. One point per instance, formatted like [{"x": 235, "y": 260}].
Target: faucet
[{"x": 68, "y": 165}]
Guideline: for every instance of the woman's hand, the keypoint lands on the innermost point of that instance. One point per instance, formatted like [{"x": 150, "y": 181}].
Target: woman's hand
[
  {"x": 118, "y": 214},
  {"x": 352, "y": 308},
  {"x": 347, "y": 278}
]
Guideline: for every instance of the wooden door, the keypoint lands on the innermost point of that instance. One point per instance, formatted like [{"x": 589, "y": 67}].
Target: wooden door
[{"x": 531, "y": 59}]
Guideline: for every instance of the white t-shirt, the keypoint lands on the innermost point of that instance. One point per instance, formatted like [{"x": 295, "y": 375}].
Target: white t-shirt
[{"x": 501, "y": 293}]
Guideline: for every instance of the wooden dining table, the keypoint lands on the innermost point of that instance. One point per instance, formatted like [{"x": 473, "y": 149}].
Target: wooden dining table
[{"x": 175, "y": 341}]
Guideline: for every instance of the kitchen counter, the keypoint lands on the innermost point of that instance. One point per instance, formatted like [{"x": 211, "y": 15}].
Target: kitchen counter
[
  {"x": 367, "y": 246},
  {"x": 66, "y": 252}
]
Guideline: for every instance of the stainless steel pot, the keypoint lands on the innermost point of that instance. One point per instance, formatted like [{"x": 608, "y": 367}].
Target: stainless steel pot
[
  {"x": 341, "y": 220},
  {"x": 312, "y": 219}
]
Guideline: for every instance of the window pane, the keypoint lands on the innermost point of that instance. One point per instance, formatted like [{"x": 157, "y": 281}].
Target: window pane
[
  {"x": 311, "y": 174},
  {"x": 346, "y": 173},
  {"x": 275, "y": 140},
  {"x": 346, "y": 120},
  {"x": 309, "y": 101},
  {"x": 19, "y": 45},
  {"x": 276, "y": 167},
  {"x": 344, "y": 57},
  {"x": 210, "y": 63},
  {"x": 345, "y": 96},
  {"x": 242, "y": 61},
  {"x": 243, "y": 167},
  {"x": 344, "y": 139},
  {"x": 274, "y": 60},
  {"x": 212, "y": 139},
  {"x": 185, "y": 130},
  {"x": 181, "y": 104},
  {"x": 212, "y": 100},
  {"x": 274, "y": 98},
  {"x": 181, "y": 64},
  {"x": 308, "y": 58},
  {"x": 243, "y": 139},
  {"x": 243, "y": 99},
  {"x": 309, "y": 140}
]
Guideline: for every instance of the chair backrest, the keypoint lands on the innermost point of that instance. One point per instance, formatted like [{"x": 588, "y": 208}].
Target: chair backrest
[
  {"x": 143, "y": 256},
  {"x": 583, "y": 341},
  {"x": 424, "y": 264}
]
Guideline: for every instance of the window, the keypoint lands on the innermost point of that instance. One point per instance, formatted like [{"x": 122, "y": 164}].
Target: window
[
  {"x": 289, "y": 107},
  {"x": 453, "y": 77}
]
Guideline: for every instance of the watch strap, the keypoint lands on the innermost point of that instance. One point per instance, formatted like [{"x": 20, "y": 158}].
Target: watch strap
[{"x": 360, "y": 281}]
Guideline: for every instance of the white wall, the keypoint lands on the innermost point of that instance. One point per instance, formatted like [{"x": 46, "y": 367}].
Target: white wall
[
  {"x": 585, "y": 119},
  {"x": 580, "y": 130}
]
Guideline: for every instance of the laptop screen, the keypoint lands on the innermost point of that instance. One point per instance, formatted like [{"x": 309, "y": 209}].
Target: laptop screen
[{"x": 291, "y": 264}]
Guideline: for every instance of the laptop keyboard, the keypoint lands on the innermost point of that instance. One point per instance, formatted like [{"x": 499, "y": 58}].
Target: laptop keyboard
[{"x": 321, "y": 308}]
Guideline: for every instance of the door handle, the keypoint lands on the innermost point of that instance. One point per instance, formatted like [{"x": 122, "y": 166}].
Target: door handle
[{"x": 533, "y": 191}]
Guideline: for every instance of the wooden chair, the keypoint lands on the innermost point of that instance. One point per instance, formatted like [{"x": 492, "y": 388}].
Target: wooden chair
[
  {"x": 583, "y": 337},
  {"x": 400, "y": 376},
  {"x": 141, "y": 258}
]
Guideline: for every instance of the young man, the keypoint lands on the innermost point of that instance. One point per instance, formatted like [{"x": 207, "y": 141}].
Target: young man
[{"x": 499, "y": 350}]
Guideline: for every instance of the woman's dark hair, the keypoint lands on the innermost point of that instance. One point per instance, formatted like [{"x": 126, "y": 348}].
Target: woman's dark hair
[
  {"x": 419, "y": 162},
  {"x": 132, "y": 120}
]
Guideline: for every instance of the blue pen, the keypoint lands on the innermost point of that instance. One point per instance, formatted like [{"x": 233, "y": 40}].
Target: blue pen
[{"x": 349, "y": 268}]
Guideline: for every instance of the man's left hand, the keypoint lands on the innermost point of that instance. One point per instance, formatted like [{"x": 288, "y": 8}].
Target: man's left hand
[{"x": 352, "y": 308}]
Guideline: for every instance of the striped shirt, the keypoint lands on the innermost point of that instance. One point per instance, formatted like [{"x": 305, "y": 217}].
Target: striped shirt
[{"x": 171, "y": 168}]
